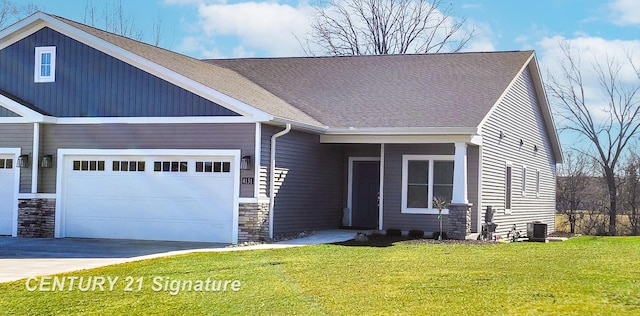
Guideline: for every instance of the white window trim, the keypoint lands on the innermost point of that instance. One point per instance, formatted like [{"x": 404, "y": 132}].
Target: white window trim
[
  {"x": 405, "y": 177},
  {"x": 506, "y": 191},
  {"x": 37, "y": 75},
  {"x": 523, "y": 181}
]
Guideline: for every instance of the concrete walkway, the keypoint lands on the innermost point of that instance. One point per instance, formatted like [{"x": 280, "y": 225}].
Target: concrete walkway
[{"x": 28, "y": 257}]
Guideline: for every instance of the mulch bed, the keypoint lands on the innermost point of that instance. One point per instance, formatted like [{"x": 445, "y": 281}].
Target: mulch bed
[{"x": 379, "y": 240}]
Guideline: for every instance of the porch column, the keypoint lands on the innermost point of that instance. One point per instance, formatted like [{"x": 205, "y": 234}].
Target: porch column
[{"x": 460, "y": 175}]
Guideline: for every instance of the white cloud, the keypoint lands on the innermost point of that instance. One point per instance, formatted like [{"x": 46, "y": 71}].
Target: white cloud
[
  {"x": 265, "y": 26},
  {"x": 625, "y": 12},
  {"x": 483, "y": 37}
]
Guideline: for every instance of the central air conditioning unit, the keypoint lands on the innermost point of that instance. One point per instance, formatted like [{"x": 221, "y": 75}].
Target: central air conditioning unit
[{"x": 537, "y": 231}]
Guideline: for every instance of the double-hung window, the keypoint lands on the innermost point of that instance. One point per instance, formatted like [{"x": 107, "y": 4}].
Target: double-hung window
[
  {"x": 425, "y": 177},
  {"x": 45, "y": 64},
  {"x": 508, "y": 187}
]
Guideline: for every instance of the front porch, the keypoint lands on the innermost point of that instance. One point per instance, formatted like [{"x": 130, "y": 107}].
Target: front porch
[{"x": 392, "y": 186}]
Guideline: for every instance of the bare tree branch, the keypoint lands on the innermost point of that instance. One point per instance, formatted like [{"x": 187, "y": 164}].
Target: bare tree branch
[{"x": 375, "y": 27}]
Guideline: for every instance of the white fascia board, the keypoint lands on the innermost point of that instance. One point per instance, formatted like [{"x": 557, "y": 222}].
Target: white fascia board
[
  {"x": 397, "y": 139},
  {"x": 154, "y": 120},
  {"x": 402, "y": 131},
  {"x": 545, "y": 107},
  {"x": 130, "y": 58},
  {"x": 21, "y": 29},
  {"x": 25, "y": 112},
  {"x": 303, "y": 126}
]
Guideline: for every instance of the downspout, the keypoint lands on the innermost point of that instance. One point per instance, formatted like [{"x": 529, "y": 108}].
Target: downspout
[{"x": 272, "y": 175}]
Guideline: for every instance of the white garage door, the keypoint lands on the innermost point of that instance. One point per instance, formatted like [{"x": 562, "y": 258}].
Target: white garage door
[
  {"x": 185, "y": 198},
  {"x": 7, "y": 193}
]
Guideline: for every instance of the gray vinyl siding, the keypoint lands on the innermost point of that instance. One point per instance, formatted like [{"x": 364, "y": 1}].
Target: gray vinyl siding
[
  {"x": 147, "y": 136},
  {"x": 90, "y": 83},
  {"x": 310, "y": 195},
  {"x": 6, "y": 113},
  {"x": 518, "y": 116},
  {"x": 19, "y": 136},
  {"x": 393, "y": 216}
]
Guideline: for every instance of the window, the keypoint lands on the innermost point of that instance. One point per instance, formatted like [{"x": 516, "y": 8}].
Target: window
[
  {"x": 524, "y": 180},
  {"x": 128, "y": 166},
  {"x": 6, "y": 163},
  {"x": 170, "y": 166},
  {"x": 88, "y": 165},
  {"x": 537, "y": 183},
  {"x": 45, "y": 64},
  {"x": 508, "y": 187},
  {"x": 423, "y": 179},
  {"x": 213, "y": 166}
]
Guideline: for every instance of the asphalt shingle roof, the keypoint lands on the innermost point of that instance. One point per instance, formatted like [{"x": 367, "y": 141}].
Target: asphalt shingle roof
[
  {"x": 429, "y": 90},
  {"x": 388, "y": 91}
]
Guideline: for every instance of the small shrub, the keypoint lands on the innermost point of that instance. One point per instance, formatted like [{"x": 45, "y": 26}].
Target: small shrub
[
  {"x": 394, "y": 232},
  {"x": 416, "y": 233},
  {"x": 435, "y": 235}
]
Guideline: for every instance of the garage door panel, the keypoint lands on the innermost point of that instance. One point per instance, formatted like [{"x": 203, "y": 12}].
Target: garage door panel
[
  {"x": 148, "y": 187},
  {"x": 161, "y": 209},
  {"x": 158, "y": 205},
  {"x": 7, "y": 191},
  {"x": 147, "y": 229}
]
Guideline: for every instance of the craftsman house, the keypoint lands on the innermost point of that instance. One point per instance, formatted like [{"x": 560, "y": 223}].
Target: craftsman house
[{"x": 102, "y": 136}]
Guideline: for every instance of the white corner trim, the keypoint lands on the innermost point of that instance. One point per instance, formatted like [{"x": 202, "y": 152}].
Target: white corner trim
[
  {"x": 381, "y": 202},
  {"x": 35, "y": 158},
  {"x": 350, "y": 183},
  {"x": 256, "y": 160}
]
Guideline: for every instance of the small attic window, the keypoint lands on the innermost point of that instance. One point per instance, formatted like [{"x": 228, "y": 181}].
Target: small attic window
[{"x": 45, "y": 64}]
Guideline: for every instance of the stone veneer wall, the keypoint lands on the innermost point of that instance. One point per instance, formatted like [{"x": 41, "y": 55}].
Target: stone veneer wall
[
  {"x": 459, "y": 221},
  {"x": 253, "y": 222},
  {"x": 36, "y": 218}
]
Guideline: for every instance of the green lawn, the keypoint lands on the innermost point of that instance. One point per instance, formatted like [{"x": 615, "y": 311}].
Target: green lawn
[{"x": 583, "y": 276}]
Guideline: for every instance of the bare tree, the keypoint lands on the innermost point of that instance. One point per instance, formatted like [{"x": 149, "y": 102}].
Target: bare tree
[
  {"x": 11, "y": 12},
  {"x": 375, "y": 27},
  {"x": 571, "y": 189},
  {"x": 608, "y": 133},
  {"x": 113, "y": 18}
]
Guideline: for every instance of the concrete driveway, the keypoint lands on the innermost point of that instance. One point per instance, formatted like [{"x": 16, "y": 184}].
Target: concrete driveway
[{"x": 26, "y": 257}]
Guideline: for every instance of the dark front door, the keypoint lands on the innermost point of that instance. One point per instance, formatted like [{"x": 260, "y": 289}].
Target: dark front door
[{"x": 364, "y": 194}]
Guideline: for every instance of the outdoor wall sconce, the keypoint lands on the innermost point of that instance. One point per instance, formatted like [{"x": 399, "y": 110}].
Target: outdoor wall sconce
[
  {"x": 46, "y": 161},
  {"x": 535, "y": 148},
  {"x": 245, "y": 163},
  {"x": 23, "y": 161},
  {"x": 521, "y": 142},
  {"x": 501, "y": 135}
]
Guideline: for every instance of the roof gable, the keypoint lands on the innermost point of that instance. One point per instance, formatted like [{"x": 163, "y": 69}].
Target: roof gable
[{"x": 214, "y": 83}]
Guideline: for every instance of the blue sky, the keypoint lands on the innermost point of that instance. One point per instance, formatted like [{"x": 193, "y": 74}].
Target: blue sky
[
  {"x": 599, "y": 29},
  {"x": 235, "y": 28}
]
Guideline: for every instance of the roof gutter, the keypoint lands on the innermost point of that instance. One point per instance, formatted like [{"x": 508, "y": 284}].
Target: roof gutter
[{"x": 272, "y": 175}]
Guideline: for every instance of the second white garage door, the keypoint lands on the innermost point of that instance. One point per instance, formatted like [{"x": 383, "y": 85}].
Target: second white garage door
[
  {"x": 153, "y": 197},
  {"x": 8, "y": 201}
]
